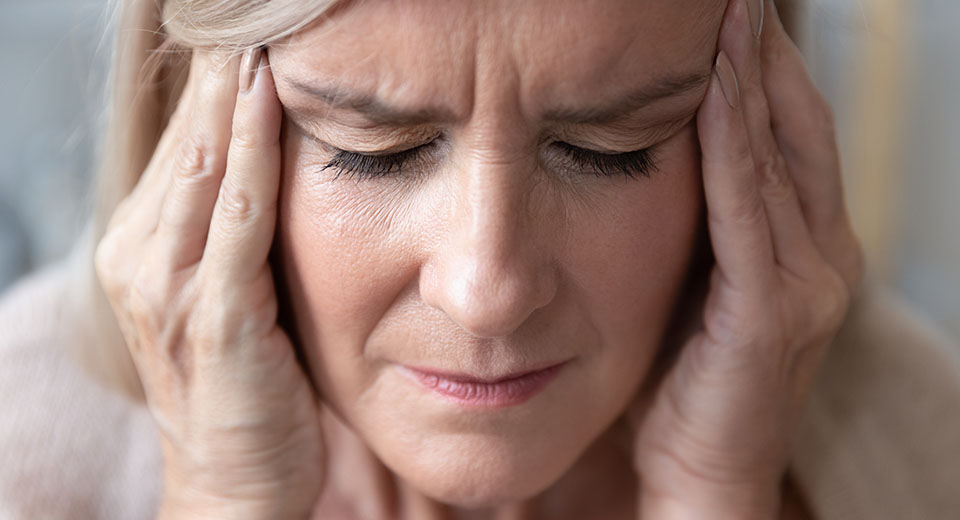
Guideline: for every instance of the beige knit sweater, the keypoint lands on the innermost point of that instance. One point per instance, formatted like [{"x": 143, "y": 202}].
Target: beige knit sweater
[{"x": 880, "y": 440}]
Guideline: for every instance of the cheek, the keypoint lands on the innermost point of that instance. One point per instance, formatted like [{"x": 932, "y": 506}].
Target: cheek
[
  {"x": 629, "y": 258},
  {"x": 345, "y": 254},
  {"x": 643, "y": 235}
]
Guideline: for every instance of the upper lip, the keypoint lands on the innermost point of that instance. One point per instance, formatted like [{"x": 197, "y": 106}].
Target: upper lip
[{"x": 461, "y": 377}]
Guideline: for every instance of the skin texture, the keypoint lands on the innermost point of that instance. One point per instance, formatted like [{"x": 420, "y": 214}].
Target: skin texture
[
  {"x": 488, "y": 257},
  {"x": 492, "y": 252}
]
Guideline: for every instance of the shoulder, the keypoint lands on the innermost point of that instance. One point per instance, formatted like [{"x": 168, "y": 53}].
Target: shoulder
[
  {"x": 881, "y": 434},
  {"x": 71, "y": 448}
]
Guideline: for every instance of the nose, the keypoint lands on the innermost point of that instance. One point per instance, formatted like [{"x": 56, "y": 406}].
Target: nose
[{"x": 494, "y": 266}]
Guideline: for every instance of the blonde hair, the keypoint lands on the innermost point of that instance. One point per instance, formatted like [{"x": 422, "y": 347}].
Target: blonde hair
[{"x": 149, "y": 71}]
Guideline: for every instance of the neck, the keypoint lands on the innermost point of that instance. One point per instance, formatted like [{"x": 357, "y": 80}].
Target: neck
[{"x": 600, "y": 484}]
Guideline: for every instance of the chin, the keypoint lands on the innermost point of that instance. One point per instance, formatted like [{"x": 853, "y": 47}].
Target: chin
[{"x": 482, "y": 475}]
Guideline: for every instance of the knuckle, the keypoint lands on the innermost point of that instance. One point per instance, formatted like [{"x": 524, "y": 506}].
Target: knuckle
[
  {"x": 236, "y": 205},
  {"x": 107, "y": 260},
  {"x": 103, "y": 257},
  {"x": 839, "y": 293},
  {"x": 845, "y": 252},
  {"x": 774, "y": 175},
  {"x": 158, "y": 310},
  {"x": 738, "y": 327},
  {"x": 197, "y": 161},
  {"x": 831, "y": 303}
]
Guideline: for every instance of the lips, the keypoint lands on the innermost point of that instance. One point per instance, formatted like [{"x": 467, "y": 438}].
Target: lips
[{"x": 510, "y": 390}]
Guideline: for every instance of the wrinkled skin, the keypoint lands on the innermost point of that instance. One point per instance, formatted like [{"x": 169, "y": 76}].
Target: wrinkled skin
[{"x": 489, "y": 254}]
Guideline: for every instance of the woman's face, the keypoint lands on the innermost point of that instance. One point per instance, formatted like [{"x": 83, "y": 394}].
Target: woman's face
[{"x": 508, "y": 221}]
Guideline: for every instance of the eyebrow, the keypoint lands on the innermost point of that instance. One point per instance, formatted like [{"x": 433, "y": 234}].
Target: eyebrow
[
  {"x": 372, "y": 107},
  {"x": 631, "y": 101},
  {"x": 380, "y": 112}
]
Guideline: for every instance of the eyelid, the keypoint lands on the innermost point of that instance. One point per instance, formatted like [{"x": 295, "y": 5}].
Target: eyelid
[
  {"x": 387, "y": 152},
  {"x": 380, "y": 141},
  {"x": 620, "y": 138}
]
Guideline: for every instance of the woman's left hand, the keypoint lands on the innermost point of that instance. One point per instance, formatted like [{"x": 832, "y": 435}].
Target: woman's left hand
[{"x": 714, "y": 437}]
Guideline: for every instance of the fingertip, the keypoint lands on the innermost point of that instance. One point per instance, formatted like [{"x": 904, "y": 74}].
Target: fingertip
[
  {"x": 727, "y": 78},
  {"x": 255, "y": 72},
  {"x": 721, "y": 105},
  {"x": 258, "y": 108},
  {"x": 249, "y": 68},
  {"x": 719, "y": 99}
]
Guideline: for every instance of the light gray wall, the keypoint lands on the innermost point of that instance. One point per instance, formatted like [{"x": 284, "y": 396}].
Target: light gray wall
[
  {"x": 49, "y": 89},
  {"x": 923, "y": 260},
  {"x": 928, "y": 259}
]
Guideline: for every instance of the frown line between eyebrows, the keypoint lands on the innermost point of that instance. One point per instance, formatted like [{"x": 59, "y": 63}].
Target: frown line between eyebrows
[{"x": 609, "y": 111}]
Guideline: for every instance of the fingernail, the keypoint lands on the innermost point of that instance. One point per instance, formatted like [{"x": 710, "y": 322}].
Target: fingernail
[
  {"x": 728, "y": 80},
  {"x": 248, "y": 68},
  {"x": 755, "y": 8}
]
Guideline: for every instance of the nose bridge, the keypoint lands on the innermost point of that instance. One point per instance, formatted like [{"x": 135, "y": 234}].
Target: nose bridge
[
  {"x": 492, "y": 272},
  {"x": 492, "y": 210}
]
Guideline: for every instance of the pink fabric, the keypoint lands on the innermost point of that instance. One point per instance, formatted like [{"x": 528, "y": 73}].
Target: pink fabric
[
  {"x": 881, "y": 434},
  {"x": 68, "y": 447}
]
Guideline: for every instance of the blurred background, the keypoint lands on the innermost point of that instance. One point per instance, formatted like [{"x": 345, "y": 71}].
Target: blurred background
[{"x": 891, "y": 68}]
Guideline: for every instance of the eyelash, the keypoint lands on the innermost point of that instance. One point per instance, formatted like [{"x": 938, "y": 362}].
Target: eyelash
[
  {"x": 638, "y": 163},
  {"x": 368, "y": 166},
  {"x": 634, "y": 164}
]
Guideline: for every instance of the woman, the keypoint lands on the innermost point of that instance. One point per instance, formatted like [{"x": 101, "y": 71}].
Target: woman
[{"x": 450, "y": 260}]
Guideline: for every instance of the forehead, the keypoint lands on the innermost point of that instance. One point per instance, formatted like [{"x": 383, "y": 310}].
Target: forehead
[{"x": 542, "y": 51}]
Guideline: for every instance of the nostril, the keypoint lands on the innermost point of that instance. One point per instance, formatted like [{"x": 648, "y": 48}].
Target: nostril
[{"x": 483, "y": 301}]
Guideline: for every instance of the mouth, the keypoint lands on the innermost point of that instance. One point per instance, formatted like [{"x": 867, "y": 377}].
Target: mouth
[{"x": 510, "y": 390}]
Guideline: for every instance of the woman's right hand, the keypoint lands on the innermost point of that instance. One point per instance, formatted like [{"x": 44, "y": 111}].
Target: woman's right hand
[{"x": 184, "y": 264}]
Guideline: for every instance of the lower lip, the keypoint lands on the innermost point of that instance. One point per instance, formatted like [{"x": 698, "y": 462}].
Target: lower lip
[{"x": 508, "y": 392}]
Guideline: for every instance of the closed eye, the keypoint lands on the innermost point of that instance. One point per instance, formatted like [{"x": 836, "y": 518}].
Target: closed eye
[
  {"x": 373, "y": 166},
  {"x": 633, "y": 164}
]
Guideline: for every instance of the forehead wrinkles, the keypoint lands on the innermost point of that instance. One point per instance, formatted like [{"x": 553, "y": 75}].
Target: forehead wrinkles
[
  {"x": 405, "y": 52},
  {"x": 540, "y": 52},
  {"x": 592, "y": 49}
]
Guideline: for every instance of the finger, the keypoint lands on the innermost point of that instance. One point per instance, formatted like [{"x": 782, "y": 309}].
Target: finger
[
  {"x": 738, "y": 225},
  {"x": 199, "y": 161},
  {"x": 793, "y": 246},
  {"x": 133, "y": 224},
  {"x": 147, "y": 196},
  {"x": 802, "y": 123},
  {"x": 241, "y": 231},
  {"x": 140, "y": 209}
]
